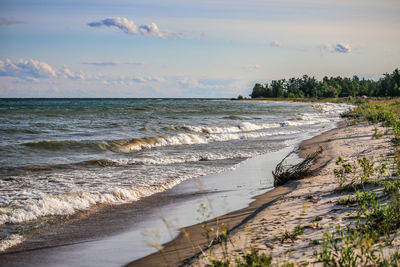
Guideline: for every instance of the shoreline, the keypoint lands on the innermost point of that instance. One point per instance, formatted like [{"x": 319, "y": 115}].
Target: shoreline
[
  {"x": 182, "y": 248},
  {"x": 312, "y": 205},
  {"x": 186, "y": 246}
]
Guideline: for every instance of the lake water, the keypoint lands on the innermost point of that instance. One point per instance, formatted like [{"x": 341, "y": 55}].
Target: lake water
[{"x": 62, "y": 156}]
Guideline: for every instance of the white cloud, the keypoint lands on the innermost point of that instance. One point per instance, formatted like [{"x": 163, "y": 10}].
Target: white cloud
[
  {"x": 68, "y": 74},
  {"x": 190, "y": 82},
  {"x": 33, "y": 70},
  {"x": 26, "y": 69},
  {"x": 106, "y": 63},
  {"x": 112, "y": 63},
  {"x": 209, "y": 87},
  {"x": 143, "y": 79},
  {"x": 275, "y": 43},
  {"x": 337, "y": 48},
  {"x": 129, "y": 27},
  {"x": 128, "y": 80}
]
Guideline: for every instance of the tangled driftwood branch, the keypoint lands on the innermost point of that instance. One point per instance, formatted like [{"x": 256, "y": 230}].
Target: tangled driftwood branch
[{"x": 283, "y": 174}]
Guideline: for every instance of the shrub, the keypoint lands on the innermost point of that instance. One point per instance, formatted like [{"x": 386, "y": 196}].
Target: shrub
[
  {"x": 347, "y": 247},
  {"x": 392, "y": 187},
  {"x": 298, "y": 230},
  {"x": 346, "y": 201},
  {"x": 342, "y": 173},
  {"x": 367, "y": 167}
]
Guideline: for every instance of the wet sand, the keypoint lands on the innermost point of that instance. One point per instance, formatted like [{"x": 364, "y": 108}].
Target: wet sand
[{"x": 191, "y": 240}]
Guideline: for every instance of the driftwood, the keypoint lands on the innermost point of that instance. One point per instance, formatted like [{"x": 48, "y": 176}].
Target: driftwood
[{"x": 283, "y": 174}]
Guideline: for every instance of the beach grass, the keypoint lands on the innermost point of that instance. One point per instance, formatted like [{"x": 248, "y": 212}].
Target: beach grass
[{"x": 377, "y": 219}]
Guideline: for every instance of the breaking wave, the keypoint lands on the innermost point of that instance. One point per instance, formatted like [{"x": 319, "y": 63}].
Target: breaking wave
[
  {"x": 195, "y": 135},
  {"x": 10, "y": 241},
  {"x": 70, "y": 203}
]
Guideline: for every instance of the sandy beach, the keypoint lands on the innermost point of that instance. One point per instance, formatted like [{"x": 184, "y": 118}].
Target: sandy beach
[
  {"x": 296, "y": 203},
  {"x": 313, "y": 197}
]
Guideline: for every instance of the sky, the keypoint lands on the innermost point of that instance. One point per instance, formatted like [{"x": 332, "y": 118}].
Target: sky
[{"x": 189, "y": 48}]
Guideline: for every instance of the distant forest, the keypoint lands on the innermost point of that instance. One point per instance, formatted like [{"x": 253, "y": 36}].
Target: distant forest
[{"x": 309, "y": 87}]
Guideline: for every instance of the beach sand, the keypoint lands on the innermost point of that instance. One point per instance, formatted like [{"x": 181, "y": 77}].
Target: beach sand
[{"x": 296, "y": 203}]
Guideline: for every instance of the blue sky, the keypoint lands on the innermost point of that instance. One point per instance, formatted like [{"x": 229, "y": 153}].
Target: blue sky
[{"x": 188, "y": 48}]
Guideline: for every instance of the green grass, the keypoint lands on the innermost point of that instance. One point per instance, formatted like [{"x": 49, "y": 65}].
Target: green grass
[
  {"x": 385, "y": 112},
  {"x": 377, "y": 215},
  {"x": 392, "y": 187},
  {"x": 298, "y": 230}
]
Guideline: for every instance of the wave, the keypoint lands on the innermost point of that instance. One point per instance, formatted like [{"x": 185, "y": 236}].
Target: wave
[
  {"x": 70, "y": 203},
  {"x": 165, "y": 160},
  {"x": 120, "y": 146},
  {"x": 11, "y": 241},
  {"x": 193, "y": 157},
  {"x": 305, "y": 120},
  {"x": 198, "y": 135},
  {"x": 66, "y": 145},
  {"x": 243, "y": 127},
  {"x": 191, "y": 134},
  {"x": 235, "y": 117},
  {"x": 73, "y": 202},
  {"x": 188, "y": 139},
  {"x": 332, "y": 108},
  {"x": 18, "y": 130}
]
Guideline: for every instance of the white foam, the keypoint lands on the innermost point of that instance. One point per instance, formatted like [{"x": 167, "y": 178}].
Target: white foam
[
  {"x": 166, "y": 160},
  {"x": 243, "y": 127},
  {"x": 10, "y": 241},
  {"x": 246, "y": 130},
  {"x": 332, "y": 108},
  {"x": 189, "y": 139},
  {"x": 70, "y": 203},
  {"x": 328, "y": 112}
]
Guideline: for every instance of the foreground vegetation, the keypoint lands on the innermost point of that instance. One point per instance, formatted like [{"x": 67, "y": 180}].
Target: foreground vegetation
[
  {"x": 309, "y": 87},
  {"x": 375, "y": 203},
  {"x": 385, "y": 112}
]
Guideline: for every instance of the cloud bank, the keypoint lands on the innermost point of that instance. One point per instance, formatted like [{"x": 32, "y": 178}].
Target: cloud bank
[
  {"x": 26, "y": 68},
  {"x": 34, "y": 69},
  {"x": 111, "y": 63},
  {"x": 129, "y": 27},
  {"x": 103, "y": 64},
  {"x": 337, "y": 48},
  {"x": 68, "y": 74},
  {"x": 195, "y": 83}
]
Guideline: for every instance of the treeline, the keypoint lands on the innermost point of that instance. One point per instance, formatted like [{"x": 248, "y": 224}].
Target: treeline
[{"x": 309, "y": 87}]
